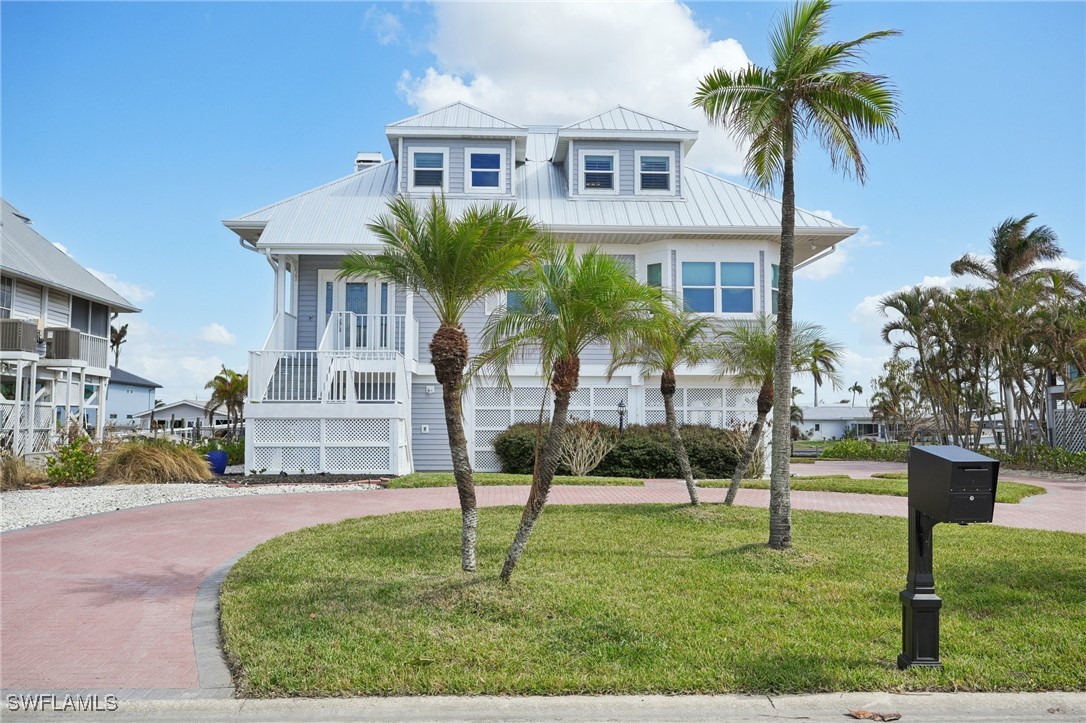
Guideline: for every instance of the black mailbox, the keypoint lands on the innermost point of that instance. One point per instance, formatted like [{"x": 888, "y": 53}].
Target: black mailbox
[{"x": 951, "y": 484}]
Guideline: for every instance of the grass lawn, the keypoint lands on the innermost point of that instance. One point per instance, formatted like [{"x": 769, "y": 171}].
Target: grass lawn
[
  {"x": 1011, "y": 492},
  {"x": 488, "y": 479},
  {"x": 891, "y": 475},
  {"x": 647, "y": 599}
]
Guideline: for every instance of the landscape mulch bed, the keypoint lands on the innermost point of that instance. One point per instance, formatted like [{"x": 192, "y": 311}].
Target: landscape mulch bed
[{"x": 237, "y": 480}]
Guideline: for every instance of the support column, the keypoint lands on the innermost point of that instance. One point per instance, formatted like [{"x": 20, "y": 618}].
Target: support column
[
  {"x": 33, "y": 417},
  {"x": 280, "y": 301},
  {"x": 411, "y": 334},
  {"x": 82, "y": 400},
  {"x": 16, "y": 445},
  {"x": 100, "y": 416}
]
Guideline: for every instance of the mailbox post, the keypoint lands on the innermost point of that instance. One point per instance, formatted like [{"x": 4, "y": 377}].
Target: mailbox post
[{"x": 946, "y": 484}]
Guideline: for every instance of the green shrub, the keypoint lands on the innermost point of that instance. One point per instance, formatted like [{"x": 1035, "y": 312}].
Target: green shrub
[
  {"x": 858, "y": 449},
  {"x": 1043, "y": 458},
  {"x": 73, "y": 463},
  {"x": 234, "y": 448},
  {"x": 641, "y": 452}
]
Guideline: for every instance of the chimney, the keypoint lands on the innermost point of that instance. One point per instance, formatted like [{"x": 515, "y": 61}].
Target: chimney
[{"x": 367, "y": 159}]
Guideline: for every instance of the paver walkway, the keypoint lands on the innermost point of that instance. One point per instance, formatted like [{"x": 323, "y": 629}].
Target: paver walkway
[{"x": 106, "y": 602}]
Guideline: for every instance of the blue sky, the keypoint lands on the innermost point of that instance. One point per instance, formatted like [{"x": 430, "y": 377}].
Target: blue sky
[{"x": 129, "y": 130}]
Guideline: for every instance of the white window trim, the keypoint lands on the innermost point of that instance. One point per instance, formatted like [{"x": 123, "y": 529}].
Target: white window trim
[
  {"x": 411, "y": 187},
  {"x": 637, "y": 174},
  {"x": 500, "y": 189},
  {"x": 584, "y": 153},
  {"x": 717, "y": 286}
]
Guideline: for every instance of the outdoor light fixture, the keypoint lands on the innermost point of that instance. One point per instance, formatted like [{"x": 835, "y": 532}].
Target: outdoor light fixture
[{"x": 621, "y": 415}]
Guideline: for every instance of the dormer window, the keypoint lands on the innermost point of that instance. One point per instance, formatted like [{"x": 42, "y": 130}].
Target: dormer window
[
  {"x": 655, "y": 172},
  {"x": 485, "y": 170},
  {"x": 598, "y": 171},
  {"x": 429, "y": 169}
]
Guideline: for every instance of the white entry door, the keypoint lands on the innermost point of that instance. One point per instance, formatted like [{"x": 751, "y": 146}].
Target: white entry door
[{"x": 370, "y": 300}]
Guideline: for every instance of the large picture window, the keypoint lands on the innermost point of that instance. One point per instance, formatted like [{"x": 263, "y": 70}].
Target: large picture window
[
  {"x": 599, "y": 172},
  {"x": 428, "y": 169},
  {"x": 485, "y": 170},
  {"x": 703, "y": 282}
]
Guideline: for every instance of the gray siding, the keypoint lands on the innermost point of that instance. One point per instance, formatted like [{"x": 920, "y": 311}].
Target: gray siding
[
  {"x": 430, "y": 451},
  {"x": 59, "y": 308},
  {"x": 455, "y": 147},
  {"x": 26, "y": 303},
  {"x": 626, "y": 157}
]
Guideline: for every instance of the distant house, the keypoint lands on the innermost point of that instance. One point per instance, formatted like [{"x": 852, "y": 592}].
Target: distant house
[
  {"x": 820, "y": 423},
  {"x": 1065, "y": 423},
  {"x": 126, "y": 396},
  {"x": 183, "y": 414},
  {"x": 54, "y": 339},
  {"x": 344, "y": 381}
]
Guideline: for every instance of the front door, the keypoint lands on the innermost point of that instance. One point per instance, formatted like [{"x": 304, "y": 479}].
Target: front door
[{"x": 370, "y": 301}]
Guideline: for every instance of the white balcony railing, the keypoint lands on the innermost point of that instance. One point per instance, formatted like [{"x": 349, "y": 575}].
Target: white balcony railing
[
  {"x": 94, "y": 350},
  {"x": 327, "y": 377},
  {"x": 347, "y": 331}
]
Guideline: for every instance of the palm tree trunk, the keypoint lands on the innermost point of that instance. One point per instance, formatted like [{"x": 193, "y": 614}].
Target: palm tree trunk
[
  {"x": 765, "y": 403},
  {"x": 449, "y": 354},
  {"x": 564, "y": 383},
  {"x": 780, "y": 499},
  {"x": 667, "y": 390}
]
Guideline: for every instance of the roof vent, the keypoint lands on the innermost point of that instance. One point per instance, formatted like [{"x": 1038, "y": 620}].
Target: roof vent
[{"x": 367, "y": 159}]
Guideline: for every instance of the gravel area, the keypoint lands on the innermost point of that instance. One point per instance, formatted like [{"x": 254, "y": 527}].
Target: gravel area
[{"x": 23, "y": 508}]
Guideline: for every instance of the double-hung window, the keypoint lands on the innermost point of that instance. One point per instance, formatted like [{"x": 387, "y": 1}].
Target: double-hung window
[
  {"x": 599, "y": 171},
  {"x": 428, "y": 169},
  {"x": 776, "y": 287},
  {"x": 485, "y": 170},
  {"x": 7, "y": 293},
  {"x": 704, "y": 282},
  {"x": 655, "y": 173}
]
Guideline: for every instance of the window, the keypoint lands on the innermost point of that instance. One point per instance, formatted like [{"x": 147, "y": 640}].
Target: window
[
  {"x": 90, "y": 317},
  {"x": 654, "y": 275},
  {"x": 655, "y": 173},
  {"x": 598, "y": 170},
  {"x": 112, "y": 416},
  {"x": 776, "y": 285},
  {"x": 699, "y": 285},
  {"x": 7, "y": 291},
  {"x": 485, "y": 170},
  {"x": 427, "y": 169},
  {"x": 818, "y": 427},
  {"x": 734, "y": 287}
]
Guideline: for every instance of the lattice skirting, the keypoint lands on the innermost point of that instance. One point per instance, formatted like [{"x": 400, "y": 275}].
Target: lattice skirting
[
  {"x": 713, "y": 406},
  {"x": 1066, "y": 433},
  {"x": 350, "y": 446}
]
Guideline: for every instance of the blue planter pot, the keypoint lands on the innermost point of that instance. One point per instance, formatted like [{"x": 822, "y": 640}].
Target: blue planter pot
[{"x": 217, "y": 460}]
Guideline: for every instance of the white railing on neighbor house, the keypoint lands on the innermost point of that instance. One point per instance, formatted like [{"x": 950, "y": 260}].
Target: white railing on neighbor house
[
  {"x": 29, "y": 431},
  {"x": 347, "y": 331},
  {"x": 327, "y": 377},
  {"x": 94, "y": 350}
]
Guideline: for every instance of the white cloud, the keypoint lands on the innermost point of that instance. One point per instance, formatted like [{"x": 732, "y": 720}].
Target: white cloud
[
  {"x": 837, "y": 261},
  {"x": 564, "y": 62},
  {"x": 1065, "y": 263},
  {"x": 868, "y": 321},
  {"x": 63, "y": 248},
  {"x": 385, "y": 26},
  {"x": 133, "y": 292},
  {"x": 181, "y": 363},
  {"x": 215, "y": 333}
]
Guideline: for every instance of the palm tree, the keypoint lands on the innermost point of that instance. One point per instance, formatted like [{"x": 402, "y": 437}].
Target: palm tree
[
  {"x": 451, "y": 264},
  {"x": 816, "y": 370},
  {"x": 228, "y": 389},
  {"x": 809, "y": 91},
  {"x": 1016, "y": 252},
  {"x": 673, "y": 338},
  {"x": 568, "y": 303},
  {"x": 747, "y": 350},
  {"x": 116, "y": 338},
  {"x": 855, "y": 389}
]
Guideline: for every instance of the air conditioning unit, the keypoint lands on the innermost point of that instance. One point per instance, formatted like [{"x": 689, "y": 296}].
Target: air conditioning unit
[
  {"x": 61, "y": 343},
  {"x": 18, "y": 335}
]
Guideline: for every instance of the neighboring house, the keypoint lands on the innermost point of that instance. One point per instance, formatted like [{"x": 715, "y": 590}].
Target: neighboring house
[
  {"x": 821, "y": 423},
  {"x": 54, "y": 339},
  {"x": 1066, "y": 421},
  {"x": 127, "y": 396},
  {"x": 344, "y": 381},
  {"x": 183, "y": 414}
]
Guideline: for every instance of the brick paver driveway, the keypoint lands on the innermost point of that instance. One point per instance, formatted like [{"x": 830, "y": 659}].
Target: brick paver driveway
[{"x": 106, "y": 602}]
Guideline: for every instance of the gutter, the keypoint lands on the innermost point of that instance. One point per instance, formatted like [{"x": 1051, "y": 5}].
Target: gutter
[{"x": 823, "y": 254}]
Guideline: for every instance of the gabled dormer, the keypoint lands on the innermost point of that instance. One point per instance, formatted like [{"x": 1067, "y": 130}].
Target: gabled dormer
[
  {"x": 457, "y": 150},
  {"x": 623, "y": 154}
]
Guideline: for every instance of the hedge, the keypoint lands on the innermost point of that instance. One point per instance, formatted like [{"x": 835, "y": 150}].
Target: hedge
[
  {"x": 642, "y": 451},
  {"x": 858, "y": 449}
]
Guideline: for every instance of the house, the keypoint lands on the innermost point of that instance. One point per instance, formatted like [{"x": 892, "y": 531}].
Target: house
[
  {"x": 344, "y": 381},
  {"x": 1066, "y": 421},
  {"x": 54, "y": 339},
  {"x": 179, "y": 415},
  {"x": 126, "y": 396},
  {"x": 834, "y": 422}
]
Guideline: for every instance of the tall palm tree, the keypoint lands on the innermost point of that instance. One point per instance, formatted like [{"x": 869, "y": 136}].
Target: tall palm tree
[
  {"x": 568, "y": 303},
  {"x": 451, "y": 264},
  {"x": 747, "y": 351},
  {"x": 673, "y": 338},
  {"x": 1016, "y": 252},
  {"x": 228, "y": 389},
  {"x": 810, "y": 91},
  {"x": 116, "y": 338},
  {"x": 816, "y": 370},
  {"x": 855, "y": 389}
]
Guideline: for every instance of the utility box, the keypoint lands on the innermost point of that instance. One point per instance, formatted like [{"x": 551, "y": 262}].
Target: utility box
[
  {"x": 18, "y": 335},
  {"x": 61, "y": 343},
  {"x": 951, "y": 484}
]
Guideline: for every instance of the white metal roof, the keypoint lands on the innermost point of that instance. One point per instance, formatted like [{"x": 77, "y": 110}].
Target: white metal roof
[
  {"x": 621, "y": 118},
  {"x": 836, "y": 414},
  {"x": 28, "y": 255},
  {"x": 194, "y": 404},
  {"x": 455, "y": 115}
]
